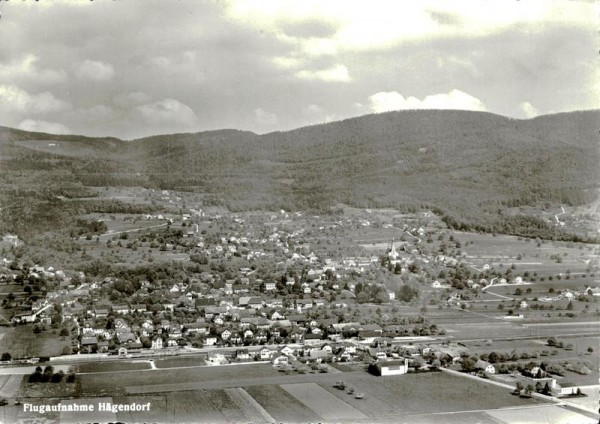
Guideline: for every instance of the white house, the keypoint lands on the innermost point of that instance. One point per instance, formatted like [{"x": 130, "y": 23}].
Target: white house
[{"x": 393, "y": 367}]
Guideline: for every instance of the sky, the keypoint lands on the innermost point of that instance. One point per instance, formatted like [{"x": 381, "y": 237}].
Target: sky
[{"x": 133, "y": 68}]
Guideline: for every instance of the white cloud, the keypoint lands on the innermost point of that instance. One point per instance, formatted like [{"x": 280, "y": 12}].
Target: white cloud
[
  {"x": 95, "y": 71},
  {"x": 264, "y": 117},
  {"x": 181, "y": 61},
  {"x": 528, "y": 110},
  {"x": 44, "y": 126},
  {"x": 94, "y": 115},
  {"x": 455, "y": 99},
  {"x": 27, "y": 68},
  {"x": 366, "y": 25},
  {"x": 14, "y": 99},
  {"x": 457, "y": 63},
  {"x": 319, "y": 46},
  {"x": 338, "y": 73},
  {"x": 312, "y": 110},
  {"x": 132, "y": 99},
  {"x": 283, "y": 62},
  {"x": 168, "y": 111}
]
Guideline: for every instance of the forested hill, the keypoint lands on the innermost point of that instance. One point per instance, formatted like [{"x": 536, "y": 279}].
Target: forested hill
[{"x": 470, "y": 166}]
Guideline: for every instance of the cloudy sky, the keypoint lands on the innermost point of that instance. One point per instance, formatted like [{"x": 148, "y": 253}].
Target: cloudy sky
[{"x": 135, "y": 68}]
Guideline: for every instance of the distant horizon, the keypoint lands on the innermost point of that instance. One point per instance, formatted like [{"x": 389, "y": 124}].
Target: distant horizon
[{"x": 297, "y": 128}]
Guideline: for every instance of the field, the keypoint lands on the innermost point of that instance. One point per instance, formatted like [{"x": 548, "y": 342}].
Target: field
[
  {"x": 258, "y": 393},
  {"x": 179, "y": 362},
  {"x": 110, "y": 366},
  {"x": 326, "y": 405},
  {"x": 160, "y": 380},
  {"x": 281, "y": 405},
  {"x": 21, "y": 341},
  {"x": 526, "y": 254}
]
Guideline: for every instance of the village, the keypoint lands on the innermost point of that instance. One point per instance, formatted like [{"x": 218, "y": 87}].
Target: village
[{"x": 370, "y": 291}]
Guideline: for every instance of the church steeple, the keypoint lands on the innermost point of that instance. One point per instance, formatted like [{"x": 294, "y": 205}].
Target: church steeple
[{"x": 393, "y": 255}]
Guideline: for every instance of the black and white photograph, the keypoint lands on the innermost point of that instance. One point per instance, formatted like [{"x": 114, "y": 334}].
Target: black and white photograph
[{"x": 300, "y": 211}]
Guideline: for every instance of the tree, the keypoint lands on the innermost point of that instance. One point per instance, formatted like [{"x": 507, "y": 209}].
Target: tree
[
  {"x": 468, "y": 364},
  {"x": 6, "y": 356},
  {"x": 518, "y": 387}
]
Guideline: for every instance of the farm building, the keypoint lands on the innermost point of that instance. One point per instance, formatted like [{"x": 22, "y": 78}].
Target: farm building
[
  {"x": 392, "y": 367},
  {"x": 568, "y": 388}
]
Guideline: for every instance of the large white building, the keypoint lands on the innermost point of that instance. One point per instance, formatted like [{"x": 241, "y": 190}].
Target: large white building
[{"x": 393, "y": 367}]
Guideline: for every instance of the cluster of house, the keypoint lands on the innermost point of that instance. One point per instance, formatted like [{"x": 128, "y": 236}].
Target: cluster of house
[{"x": 251, "y": 321}]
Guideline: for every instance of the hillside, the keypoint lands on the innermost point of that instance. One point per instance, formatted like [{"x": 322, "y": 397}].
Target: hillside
[{"x": 469, "y": 166}]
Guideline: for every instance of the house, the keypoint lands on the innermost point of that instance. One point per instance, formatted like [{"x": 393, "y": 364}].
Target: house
[
  {"x": 242, "y": 354},
  {"x": 270, "y": 286},
  {"x": 274, "y": 303},
  {"x": 226, "y": 334},
  {"x": 210, "y": 341},
  {"x": 286, "y": 350},
  {"x": 89, "y": 344},
  {"x": 386, "y": 368},
  {"x": 120, "y": 309},
  {"x": 567, "y": 388},
  {"x": 157, "y": 343},
  {"x": 213, "y": 311},
  {"x": 312, "y": 339},
  {"x": 298, "y": 319},
  {"x": 304, "y": 304},
  {"x": 277, "y": 315},
  {"x": 203, "y": 302},
  {"x": 318, "y": 354},
  {"x": 265, "y": 354},
  {"x": 280, "y": 360},
  {"x": 196, "y": 328},
  {"x": 485, "y": 367},
  {"x": 138, "y": 308},
  {"x": 24, "y": 317}
]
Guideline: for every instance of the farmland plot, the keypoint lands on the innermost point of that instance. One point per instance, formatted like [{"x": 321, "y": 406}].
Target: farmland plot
[
  {"x": 281, "y": 405},
  {"x": 9, "y": 385},
  {"x": 179, "y": 362},
  {"x": 323, "y": 403},
  {"x": 109, "y": 366}
]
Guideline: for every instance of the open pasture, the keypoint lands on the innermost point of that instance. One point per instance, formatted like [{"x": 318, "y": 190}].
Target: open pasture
[
  {"x": 281, "y": 405},
  {"x": 9, "y": 385},
  {"x": 21, "y": 341},
  {"x": 540, "y": 415},
  {"x": 525, "y": 254},
  {"x": 432, "y": 392},
  {"x": 323, "y": 403},
  {"x": 159, "y": 380},
  {"x": 175, "y": 362},
  {"x": 117, "y": 223},
  {"x": 109, "y": 366}
]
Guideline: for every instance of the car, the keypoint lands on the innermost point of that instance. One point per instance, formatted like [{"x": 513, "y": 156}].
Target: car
[
  {"x": 3, "y": 402},
  {"x": 359, "y": 396}
]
